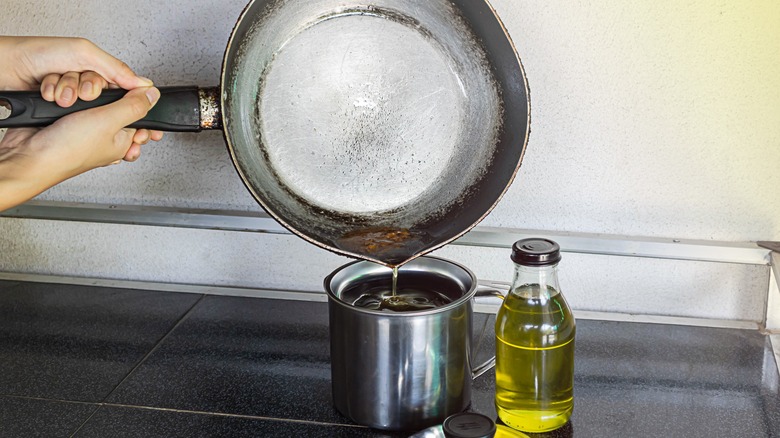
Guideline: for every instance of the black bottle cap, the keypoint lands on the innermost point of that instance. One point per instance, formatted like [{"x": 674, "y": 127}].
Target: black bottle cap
[
  {"x": 469, "y": 425},
  {"x": 536, "y": 252}
]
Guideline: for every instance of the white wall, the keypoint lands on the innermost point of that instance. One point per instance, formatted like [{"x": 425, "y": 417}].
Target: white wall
[
  {"x": 653, "y": 118},
  {"x": 649, "y": 118}
]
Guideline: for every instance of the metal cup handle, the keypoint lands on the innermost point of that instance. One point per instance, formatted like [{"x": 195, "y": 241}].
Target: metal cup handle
[{"x": 488, "y": 294}]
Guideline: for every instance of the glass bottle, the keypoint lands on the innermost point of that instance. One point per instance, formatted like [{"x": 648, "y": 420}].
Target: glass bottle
[{"x": 535, "y": 343}]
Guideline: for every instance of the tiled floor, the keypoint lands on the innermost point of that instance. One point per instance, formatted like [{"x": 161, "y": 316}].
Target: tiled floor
[
  {"x": 96, "y": 362},
  {"x": 112, "y": 421},
  {"x": 78, "y": 343},
  {"x": 232, "y": 355},
  {"x": 87, "y": 361}
]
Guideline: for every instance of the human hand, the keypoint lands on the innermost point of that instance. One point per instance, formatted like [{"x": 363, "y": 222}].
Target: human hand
[
  {"x": 32, "y": 160},
  {"x": 66, "y": 89},
  {"x": 67, "y": 69}
]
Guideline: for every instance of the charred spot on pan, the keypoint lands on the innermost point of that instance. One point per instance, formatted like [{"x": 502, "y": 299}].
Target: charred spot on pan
[
  {"x": 374, "y": 240},
  {"x": 391, "y": 245}
]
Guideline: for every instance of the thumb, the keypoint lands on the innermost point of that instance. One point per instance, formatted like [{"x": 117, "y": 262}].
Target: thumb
[{"x": 130, "y": 108}]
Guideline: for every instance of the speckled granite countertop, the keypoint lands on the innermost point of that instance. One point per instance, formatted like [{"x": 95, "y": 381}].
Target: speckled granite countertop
[{"x": 99, "y": 362}]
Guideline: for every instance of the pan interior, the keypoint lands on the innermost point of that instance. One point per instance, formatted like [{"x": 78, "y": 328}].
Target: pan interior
[
  {"x": 345, "y": 116},
  {"x": 366, "y": 122}
]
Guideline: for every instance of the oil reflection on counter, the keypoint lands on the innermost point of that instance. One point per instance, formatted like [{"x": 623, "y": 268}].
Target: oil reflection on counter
[
  {"x": 503, "y": 431},
  {"x": 565, "y": 431}
]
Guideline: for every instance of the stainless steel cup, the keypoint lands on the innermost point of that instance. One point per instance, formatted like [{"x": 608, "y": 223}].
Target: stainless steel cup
[{"x": 402, "y": 371}]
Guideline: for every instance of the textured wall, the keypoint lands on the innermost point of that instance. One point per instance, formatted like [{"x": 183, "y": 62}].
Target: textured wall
[
  {"x": 654, "y": 118},
  {"x": 649, "y": 118}
]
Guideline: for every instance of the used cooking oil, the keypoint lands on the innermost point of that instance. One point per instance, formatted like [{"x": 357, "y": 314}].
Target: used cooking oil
[
  {"x": 395, "y": 280},
  {"x": 535, "y": 332},
  {"x": 406, "y": 293},
  {"x": 403, "y": 300}
]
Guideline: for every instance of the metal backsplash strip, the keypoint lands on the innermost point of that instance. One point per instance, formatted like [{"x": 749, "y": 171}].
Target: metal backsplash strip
[
  {"x": 586, "y": 243},
  {"x": 772, "y": 321},
  {"x": 481, "y": 306}
]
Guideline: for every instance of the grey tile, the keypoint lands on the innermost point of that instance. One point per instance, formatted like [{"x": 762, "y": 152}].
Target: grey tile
[
  {"x": 77, "y": 342},
  {"x": 632, "y": 379},
  {"x": 6, "y": 284},
  {"x": 668, "y": 355},
  {"x": 270, "y": 358},
  {"x": 118, "y": 422},
  {"x": 21, "y": 417},
  {"x": 249, "y": 357},
  {"x": 665, "y": 380},
  {"x": 243, "y": 356}
]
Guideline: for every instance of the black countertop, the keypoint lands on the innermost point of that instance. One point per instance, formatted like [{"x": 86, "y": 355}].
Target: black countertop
[{"x": 98, "y": 362}]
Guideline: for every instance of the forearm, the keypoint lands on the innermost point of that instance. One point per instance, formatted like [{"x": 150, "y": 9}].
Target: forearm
[
  {"x": 24, "y": 174},
  {"x": 14, "y": 191},
  {"x": 16, "y": 183}
]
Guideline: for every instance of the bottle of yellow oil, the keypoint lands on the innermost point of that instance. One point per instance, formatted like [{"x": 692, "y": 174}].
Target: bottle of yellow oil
[{"x": 535, "y": 343}]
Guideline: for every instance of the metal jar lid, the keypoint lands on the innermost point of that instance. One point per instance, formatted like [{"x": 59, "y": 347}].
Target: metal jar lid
[
  {"x": 536, "y": 252},
  {"x": 469, "y": 425}
]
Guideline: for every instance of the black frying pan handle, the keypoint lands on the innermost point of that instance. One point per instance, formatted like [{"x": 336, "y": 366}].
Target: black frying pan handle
[{"x": 178, "y": 109}]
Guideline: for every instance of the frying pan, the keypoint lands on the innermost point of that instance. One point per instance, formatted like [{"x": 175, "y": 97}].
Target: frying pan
[{"x": 376, "y": 129}]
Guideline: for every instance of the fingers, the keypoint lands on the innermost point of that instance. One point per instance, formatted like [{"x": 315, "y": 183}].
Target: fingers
[
  {"x": 65, "y": 92},
  {"x": 133, "y": 153},
  {"x": 140, "y": 138},
  {"x": 65, "y": 89},
  {"x": 129, "y": 109},
  {"x": 143, "y": 136},
  {"x": 128, "y": 136},
  {"x": 126, "y": 148},
  {"x": 90, "y": 85},
  {"x": 48, "y": 85}
]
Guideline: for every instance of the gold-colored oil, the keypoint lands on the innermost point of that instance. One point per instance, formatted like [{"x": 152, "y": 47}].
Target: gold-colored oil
[
  {"x": 534, "y": 360},
  {"x": 395, "y": 279}
]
